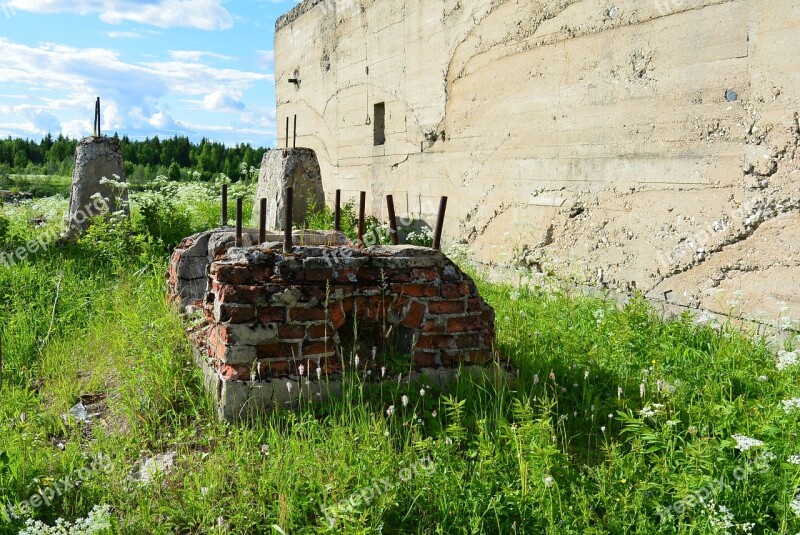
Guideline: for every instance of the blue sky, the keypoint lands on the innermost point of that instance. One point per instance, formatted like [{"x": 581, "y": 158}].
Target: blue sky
[{"x": 202, "y": 68}]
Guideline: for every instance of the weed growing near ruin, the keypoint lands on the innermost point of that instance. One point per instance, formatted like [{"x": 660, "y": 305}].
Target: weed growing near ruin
[{"x": 618, "y": 421}]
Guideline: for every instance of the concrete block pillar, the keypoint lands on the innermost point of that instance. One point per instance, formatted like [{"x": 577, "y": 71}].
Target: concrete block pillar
[{"x": 280, "y": 169}]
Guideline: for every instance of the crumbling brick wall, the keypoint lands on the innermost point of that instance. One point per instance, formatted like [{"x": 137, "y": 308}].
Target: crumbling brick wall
[{"x": 270, "y": 312}]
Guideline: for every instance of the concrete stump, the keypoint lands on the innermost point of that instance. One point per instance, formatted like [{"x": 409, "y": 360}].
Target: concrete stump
[
  {"x": 280, "y": 169},
  {"x": 96, "y": 158}
]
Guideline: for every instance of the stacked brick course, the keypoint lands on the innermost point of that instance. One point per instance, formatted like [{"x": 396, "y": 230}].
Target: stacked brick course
[{"x": 273, "y": 312}]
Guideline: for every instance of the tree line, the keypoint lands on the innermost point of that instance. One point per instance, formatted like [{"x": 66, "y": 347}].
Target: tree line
[{"x": 176, "y": 157}]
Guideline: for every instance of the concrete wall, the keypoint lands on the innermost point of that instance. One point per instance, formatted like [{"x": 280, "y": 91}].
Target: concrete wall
[{"x": 647, "y": 144}]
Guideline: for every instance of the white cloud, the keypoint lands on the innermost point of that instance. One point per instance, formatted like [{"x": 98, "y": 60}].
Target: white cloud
[
  {"x": 223, "y": 101},
  {"x": 196, "y": 55},
  {"x": 200, "y": 14},
  {"x": 63, "y": 82},
  {"x": 266, "y": 59}
]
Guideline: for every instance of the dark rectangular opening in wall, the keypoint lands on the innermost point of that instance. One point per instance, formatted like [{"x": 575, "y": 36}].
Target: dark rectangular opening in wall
[{"x": 380, "y": 124}]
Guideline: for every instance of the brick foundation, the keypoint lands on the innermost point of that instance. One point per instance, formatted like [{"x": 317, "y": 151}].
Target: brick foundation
[{"x": 269, "y": 313}]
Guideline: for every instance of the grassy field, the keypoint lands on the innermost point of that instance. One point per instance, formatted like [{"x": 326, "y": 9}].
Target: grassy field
[{"x": 617, "y": 423}]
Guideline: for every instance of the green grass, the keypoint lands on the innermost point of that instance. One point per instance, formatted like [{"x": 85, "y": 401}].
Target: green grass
[{"x": 560, "y": 451}]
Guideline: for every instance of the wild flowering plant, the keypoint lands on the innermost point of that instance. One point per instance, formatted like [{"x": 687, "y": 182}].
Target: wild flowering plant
[{"x": 98, "y": 522}]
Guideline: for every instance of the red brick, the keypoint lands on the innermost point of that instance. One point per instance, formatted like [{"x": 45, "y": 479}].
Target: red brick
[
  {"x": 230, "y": 274},
  {"x": 336, "y": 314},
  {"x": 454, "y": 290},
  {"x": 277, "y": 368},
  {"x": 369, "y": 275},
  {"x": 413, "y": 319},
  {"x": 237, "y": 314},
  {"x": 312, "y": 349},
  {"x": 291, "y": 331},
  {"x": 424, "y": 359},
  {"x": 307, "y": 314},
  {"x": 415, "y": 290},
  {"x": 454, "y": 358},
  {"x": 271, "y": 314},
  {"x": 428, "y": 275},
  {"x": 243, "y": 295},
  {"x": 467, "y": 341},
  {"x": 432, "y": 326},
  {"x": 476, "y": 304},
  {"x": 464, "y": 323},
  {"x": 322, "y": 330},
  {"x": 446, "y": 307},
  {"x": 434, "y": 341},
  {"x": 281, "y": 350},
  {"x": 318, "y": 274},
  {"x": 235, "y": 373}
]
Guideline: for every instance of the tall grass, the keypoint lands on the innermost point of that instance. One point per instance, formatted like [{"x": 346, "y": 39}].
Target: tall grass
[{"x": 613, "y": 419}]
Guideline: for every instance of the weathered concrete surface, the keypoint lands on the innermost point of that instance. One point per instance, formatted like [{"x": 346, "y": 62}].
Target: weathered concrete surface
[
  {"x": 647, "y": 144},
  {"x": 283, "y": 168},
  {"x": 96, "y": 158}
]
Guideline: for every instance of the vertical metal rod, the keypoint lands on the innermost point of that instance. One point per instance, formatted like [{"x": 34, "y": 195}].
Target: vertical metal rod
[
  {"x": 224, "y": 205},
  {"x": 437, "y": 237},
  {"x": 97, "y": 118},
  {"x": 287, "y": 223},
  {"x": 393, "y": 220},
  {"x": 362, "y": 207},
  {"x": 262, "y": 222},
  {"x": 287, "y": 132},
  {"x": 294, "y": 141},
  {"x": 239, "y": 241},
  {"x": 337, "y": 218}
]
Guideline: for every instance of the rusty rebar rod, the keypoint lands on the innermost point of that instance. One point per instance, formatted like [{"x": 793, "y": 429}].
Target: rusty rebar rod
[
  {"x": 224, "y": 205},
  {"x": 287, "y": 222},
  {"x": 286, "y": 139},
  {"x": 437, "y": 237},
  {"x": 239, "y": 241},
  {"x": 362, "y": 207},
  {"x": 294, "y": 140},
  {"x": 392, "y": 220},
  {"x": 337, "y": 218},
  {"x": 97, "y": 118},
  {"x": 262, "y": 222}
]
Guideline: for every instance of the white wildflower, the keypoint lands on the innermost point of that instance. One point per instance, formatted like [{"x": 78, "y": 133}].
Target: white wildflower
[
  {"x": 422, "y": 392},
  {"x": 794, "y": 459},
  {"x": 763, "y": 379},
  {"x": 786, "y": 359},
  {"x": 744, "y": 443},
  {"x": 791, "y": 405},
  {"x": 586, "y": 375},
  {"x": 642, "y": 389},
  {"x": 390, "y": 411},
  {"x": 548, "y": 481},
  {"x": 619, "y": 392},
  {"x": 319, "y": 374},
  {"x": 357, "y": 361},
  {"x": 289, "y": 386},
  {"x": 795, "y": 505},
  {"x": 535, "y": 379},
  {"x": 404, "y": 400},
  {"x": 301, "y": 370}
]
